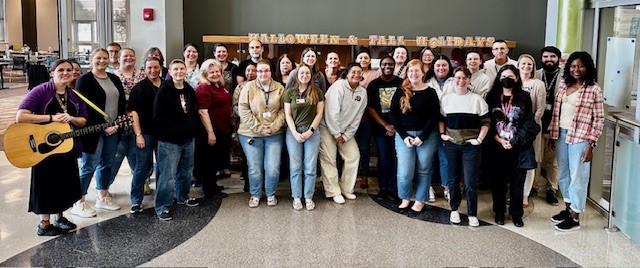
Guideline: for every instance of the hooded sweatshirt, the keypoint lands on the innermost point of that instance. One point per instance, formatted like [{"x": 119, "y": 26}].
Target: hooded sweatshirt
[{"x": 343, "y": 109}]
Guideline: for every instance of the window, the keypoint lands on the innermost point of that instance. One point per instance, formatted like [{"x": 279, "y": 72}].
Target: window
[
  {"x": 85, "y": 20},
  {"x": 95, "y": 23},
  {"x": 120, "y": 17},
  {"x": 2, "y": 22}
]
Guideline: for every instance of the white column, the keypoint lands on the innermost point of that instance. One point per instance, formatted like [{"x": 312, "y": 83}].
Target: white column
[{"x": 166, "y": 31}]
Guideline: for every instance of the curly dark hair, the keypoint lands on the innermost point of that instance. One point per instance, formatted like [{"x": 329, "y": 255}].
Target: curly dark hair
[{"x": 589, "y": 78}]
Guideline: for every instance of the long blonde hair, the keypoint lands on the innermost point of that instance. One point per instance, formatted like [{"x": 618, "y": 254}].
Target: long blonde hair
[{"x": 407, "y": 89}]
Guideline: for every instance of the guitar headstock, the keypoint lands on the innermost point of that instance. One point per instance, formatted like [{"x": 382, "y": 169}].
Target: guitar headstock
[{"x": 124, "y": 122}]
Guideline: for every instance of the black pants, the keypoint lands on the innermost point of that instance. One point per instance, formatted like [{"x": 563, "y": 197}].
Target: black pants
[
  {"x": 209, "y": 159},
  {"x": 507, "y": 173}
]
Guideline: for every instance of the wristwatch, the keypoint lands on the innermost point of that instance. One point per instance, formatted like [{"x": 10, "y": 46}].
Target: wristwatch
[
  {"x": 138, "y": 134},
  {"x": 312, "y": 129},
  {"x": 593, "y": 144}
]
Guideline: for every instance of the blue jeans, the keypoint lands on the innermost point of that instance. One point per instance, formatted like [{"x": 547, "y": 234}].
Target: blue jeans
[
  {"x": 444, "y": 166},
  {"x": 144, "y": 163},
  {"x": 126, "y": 147},
  {"x": 363, "y": 138},
  {"x": 574, "y": 174},
  {"x": 303, "y": 161},
  {"x": 263, "y": 158},
  {"x": 101, "y": 161},
  {"x": 175, "y": 166},
  {"x": 415, "y": 160},
  {"x": 464, "y": 163},
  {"x": 387, "y": 166}
]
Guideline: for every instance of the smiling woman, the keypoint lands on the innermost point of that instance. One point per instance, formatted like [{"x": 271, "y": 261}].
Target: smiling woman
[
  {"x": 106, "y": 92},
  {"x": 53, "y": 101}
]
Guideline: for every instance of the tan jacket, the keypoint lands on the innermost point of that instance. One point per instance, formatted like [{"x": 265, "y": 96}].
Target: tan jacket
[
  {"x": 255, "y": 113},
  {"x": 538, "y": 95}
]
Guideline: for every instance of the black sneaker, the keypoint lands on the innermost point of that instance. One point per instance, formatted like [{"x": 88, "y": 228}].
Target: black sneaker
[
  {"x": 191, "y": 202},
  {"x": 382, "y": 194},
  {"x": 165, "y": 216},
  {"x": 533, "y": 192},
  {"x": 65, "y": 224},
  {"x": 136, "y": 209},
  {"x": 50, "y": 230},
  {"x": 551, "y": 198},
  {"x": 562, "y": 216},
  {"x": 568, "y": 225}
]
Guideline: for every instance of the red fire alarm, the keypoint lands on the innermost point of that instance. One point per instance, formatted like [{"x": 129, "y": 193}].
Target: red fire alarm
[{"x": 147, "y": 14}]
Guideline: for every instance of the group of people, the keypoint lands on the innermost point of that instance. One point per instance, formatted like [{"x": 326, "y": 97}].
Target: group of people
[{"x": 425, "y": 116}]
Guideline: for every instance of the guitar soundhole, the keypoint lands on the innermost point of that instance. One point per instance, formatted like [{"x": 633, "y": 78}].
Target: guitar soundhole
[{"x": 53, "y": 139}]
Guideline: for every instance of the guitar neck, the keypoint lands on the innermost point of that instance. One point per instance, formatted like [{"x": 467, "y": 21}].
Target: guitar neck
[{"x": 86, "y": 130}]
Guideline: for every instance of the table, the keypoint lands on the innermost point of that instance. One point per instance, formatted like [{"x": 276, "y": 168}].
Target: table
[{"x": 2, "y": 64}]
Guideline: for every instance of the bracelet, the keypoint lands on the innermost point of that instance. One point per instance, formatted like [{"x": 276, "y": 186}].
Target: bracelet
[
  {"x": 480, "y": 139},
  {"x": 50, "y": 118}
]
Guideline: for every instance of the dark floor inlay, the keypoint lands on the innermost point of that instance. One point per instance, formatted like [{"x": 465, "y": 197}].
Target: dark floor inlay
[
  {"x": 428, "y": 213},
  {"x": 127, "y": 240}
]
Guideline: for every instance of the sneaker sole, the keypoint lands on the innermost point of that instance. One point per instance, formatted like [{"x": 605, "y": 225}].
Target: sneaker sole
[
  {"x": 84, "y": 216},
  {"x": 165, "y": 219},
  {"x": 555, "y": 221},
  {"x": 106, "y": 208},
  {"x": 567, "y": 230}
]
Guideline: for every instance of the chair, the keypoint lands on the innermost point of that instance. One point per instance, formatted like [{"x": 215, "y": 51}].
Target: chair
[
  {"x": 37, "y": 74},
  {"x": 20, "y": 64}
]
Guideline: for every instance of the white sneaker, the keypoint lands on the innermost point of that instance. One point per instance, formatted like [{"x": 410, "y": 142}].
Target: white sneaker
[
  {"x": 338, "y": 199},
  {"x": 349, "y": 196},
  {"x": 107, "y": 203},
  {"x": 446, "y": 194},
  {"x": 272, "y": 201},
  {"x": 473, "y": 221},
  {"x": 82, "y": 210},
  {"x": 455, "y": 217},
  {"x": 432, "y": 195}
]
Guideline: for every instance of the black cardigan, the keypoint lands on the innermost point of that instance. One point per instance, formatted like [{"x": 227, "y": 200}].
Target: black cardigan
[
  {"x": 173, "y": 125},
  {"x": 88, "y": 86}
]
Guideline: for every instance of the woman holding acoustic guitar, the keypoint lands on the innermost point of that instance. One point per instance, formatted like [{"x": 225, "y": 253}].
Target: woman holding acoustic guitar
[{"x": 55, "y": 182}]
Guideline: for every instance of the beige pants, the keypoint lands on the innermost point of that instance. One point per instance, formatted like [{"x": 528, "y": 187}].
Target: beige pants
[
  {"x": 328, "y": 154},
  {"x": 550, "y": 165}
]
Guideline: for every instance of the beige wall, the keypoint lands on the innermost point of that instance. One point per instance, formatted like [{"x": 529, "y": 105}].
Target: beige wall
[
  {"x": 14, "y": 21},
  {"x": 47, "y": 24}
]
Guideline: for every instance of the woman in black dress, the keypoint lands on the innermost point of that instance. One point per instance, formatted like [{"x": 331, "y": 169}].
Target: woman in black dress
[{"x": 55, "y": 182}]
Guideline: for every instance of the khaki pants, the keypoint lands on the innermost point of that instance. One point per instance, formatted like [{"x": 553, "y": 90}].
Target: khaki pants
[
  {"x": 550, "y": 165},
  {"x": 328, "y": 154}
]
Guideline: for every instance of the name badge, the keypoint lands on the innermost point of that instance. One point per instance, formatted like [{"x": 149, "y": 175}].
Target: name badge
[
  {"x": 300, "y": 101},
  {"x": 266, "y": 115},
  {"x": 549, "y": 106}
]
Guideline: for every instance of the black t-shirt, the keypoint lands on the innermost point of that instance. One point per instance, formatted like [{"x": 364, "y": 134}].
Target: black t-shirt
[
  {"x": 141, "y": 100},
  {"x": 380, "y": 94}
]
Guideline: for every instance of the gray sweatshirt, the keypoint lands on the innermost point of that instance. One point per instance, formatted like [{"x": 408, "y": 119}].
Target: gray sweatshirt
[{"x": 343, "y": 109}]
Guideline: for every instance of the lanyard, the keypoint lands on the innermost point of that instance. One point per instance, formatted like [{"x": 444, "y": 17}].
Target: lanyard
[
  {"x": 266, "y": 93},
  {"x": 62, "y": 101},
  {"x": 507, "y": 108}
]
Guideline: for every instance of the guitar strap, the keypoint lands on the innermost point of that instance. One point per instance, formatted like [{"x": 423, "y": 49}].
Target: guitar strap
[{"x": 95, "y": 107}]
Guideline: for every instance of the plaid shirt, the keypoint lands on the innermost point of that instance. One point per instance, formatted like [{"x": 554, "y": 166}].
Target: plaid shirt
[{"x": 588, "y": 121}]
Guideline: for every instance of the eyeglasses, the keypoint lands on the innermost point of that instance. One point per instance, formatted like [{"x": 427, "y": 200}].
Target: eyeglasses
[
  {"x": 461, "y": 78},
  {"x": 264, "y": 71}
]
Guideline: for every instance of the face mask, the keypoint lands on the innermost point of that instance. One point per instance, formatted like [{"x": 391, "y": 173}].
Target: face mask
[{"x": 508, "y": 82}]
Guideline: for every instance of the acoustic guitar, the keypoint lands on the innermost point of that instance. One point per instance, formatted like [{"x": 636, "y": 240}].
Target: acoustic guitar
[{"x": 27, "y": 144}]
